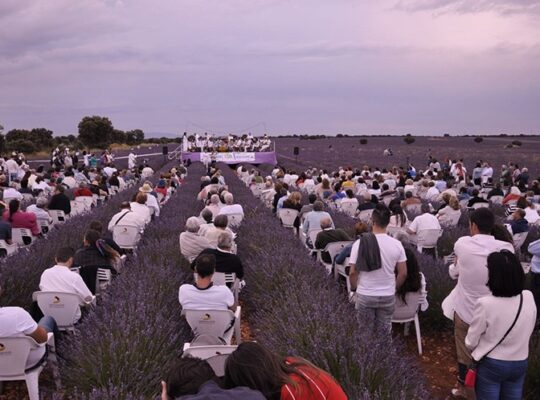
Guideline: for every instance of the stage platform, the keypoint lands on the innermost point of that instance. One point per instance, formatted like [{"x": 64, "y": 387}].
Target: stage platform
[{"x": 232, "y": 157}]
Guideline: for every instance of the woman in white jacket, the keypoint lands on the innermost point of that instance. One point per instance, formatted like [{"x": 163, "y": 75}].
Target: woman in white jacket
[{"x": 499, "y": 333}]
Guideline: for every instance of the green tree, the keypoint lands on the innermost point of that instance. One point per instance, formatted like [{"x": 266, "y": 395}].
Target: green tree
[
  {"x": 41, "y": 137},
  {"x": 135, "y": 136},
  {"x": 118, "y": 136},
  {"x": 96, "y": 131},
  {"x": 409, "y": 139}
]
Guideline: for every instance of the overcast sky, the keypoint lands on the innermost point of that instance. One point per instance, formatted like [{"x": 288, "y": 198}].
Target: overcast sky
[{"x": 298, "y": 66}]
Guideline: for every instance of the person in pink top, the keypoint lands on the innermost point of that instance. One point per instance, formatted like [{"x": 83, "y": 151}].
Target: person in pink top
[{"x": 21, "y": 219}]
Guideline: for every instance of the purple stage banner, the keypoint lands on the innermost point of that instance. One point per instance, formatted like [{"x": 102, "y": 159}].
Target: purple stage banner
[{"x": 233, "y": 157}]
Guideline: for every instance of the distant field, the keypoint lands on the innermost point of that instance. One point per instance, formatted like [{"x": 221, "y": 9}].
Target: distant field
[{"x": 331, "y": 153}]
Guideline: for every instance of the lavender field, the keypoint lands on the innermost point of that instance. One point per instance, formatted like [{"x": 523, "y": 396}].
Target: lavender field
[{"x": 331, "y": 153}]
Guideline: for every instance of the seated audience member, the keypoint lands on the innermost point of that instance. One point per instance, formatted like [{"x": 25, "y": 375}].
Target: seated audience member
[
  {"x": 97, "y": 226},
  {"x": 191, "y": 242},
  {"x": 60, "y": 278},
  {"x": 513, "y": 196},
  {"x": 206, "y": 220},
  {"x": 426, "y": 220},
  {"x": 518, "y": 222},
  {"x": 369, "y": 203},
  {"x": 398, "y": 219},
  {"x": 496, "y": 191},
  {"x": 463, "y": 194},
  {"x": 15, "y": 321},
  {"x": 21, "y": 219},
  {"x": 450, "y": 213},
  {"x": 11, "y": 193},
  {"x": 126, "y": 217},
  {"x": 312, "y": 198},
  {"x": 203, "y": 294},
  {"x": 432, "y": 192},
  {"x": 329, "y": 235},
  {"x": 194, "y": 379},
  {"x": 230, "y": 207},
  {"x": 476, "y": 198},
  {"x": 349, "y": 199},
  {"x": 214, "y": 206},
  {"x": 501, "y": 232},
  {"x": 5, "y": 227},
  {"x": 226, "y": 260},
  {"x": 94, "y": 254},
  {"x": 294, "y": 202},
  {"x": 151, "y": 198},
  {"x": 502, "y": 366},
  {"x": 220, "y": 226},
  {"x": 531, "y": 213},
  {"x": 59, "y": 200},
  {"x": 286, "y": 378},
  {"x": 39, "y": 209},
  {"x": 140, "y": 208},
  {"x": 410, "y": 200},
  {"x": 41, "y": 186},
  {"x": 414, "y": 285},
  {"x": 359, "y": 228},
  {"x": 82, "y": 191},
  {"x": 313, "y": 219}
]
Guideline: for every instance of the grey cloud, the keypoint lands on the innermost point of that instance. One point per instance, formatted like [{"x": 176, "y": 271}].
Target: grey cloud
[{"x": 505, "y": 7}]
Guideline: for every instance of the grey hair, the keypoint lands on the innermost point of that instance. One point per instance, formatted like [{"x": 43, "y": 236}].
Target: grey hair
[
  {"x": 193, "y": 224},
  {"x": 326, "y": 223},
  {"x": 214, "y": 199},
  {"x": 228, "y": 197},
  {"x": 225, "y": 240}
]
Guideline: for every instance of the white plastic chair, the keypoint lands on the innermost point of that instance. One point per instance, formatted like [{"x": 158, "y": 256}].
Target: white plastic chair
[
  {"x": 496, "y": 200},
  {"x": 215, "y": 323},
  {"x": 103, "y": 279},
  {"x": 9, "y": 248},
  {"x": 235, "y": 219},
  {"x": 216, "y": 356},
  {"x": 58, "y": 216},
  {"x": 63, "y": 307},
  {"x": 332, "y": 249},
  {"x": 427, "y": 239},
  {"x": 339, "y": 270},
  {"x": 222, "y": 278},
  {"x": 519, "y": 239},
  {"x": 14, "y": 353},
  {"x": 413, "y": 209},
  {"x": 451, "y": 220},
  {"x": 365, "y": 215},
  {"x": 287, "y": 217},
  {"x": 22, "y": 236},
  {"x": 126, "y": 236},
  {"x": 482, "y": 204},
  {"x": 406, "y": 313},
  {"x": 86, "y": 201}
]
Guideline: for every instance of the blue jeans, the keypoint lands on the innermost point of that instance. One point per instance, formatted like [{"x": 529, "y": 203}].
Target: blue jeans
[
  {"x": 377, "y": 310},
  {"x": 49, "y": 324},
  {"x": 498, "y": 379}
]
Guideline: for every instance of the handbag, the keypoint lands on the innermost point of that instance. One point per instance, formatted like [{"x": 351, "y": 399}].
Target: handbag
[{"x": 470, "y": 378}]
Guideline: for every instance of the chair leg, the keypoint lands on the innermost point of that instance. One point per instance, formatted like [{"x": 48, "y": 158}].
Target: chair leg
[
  {"x": 418, "y": 333},
  {"x": 32, "y": 384}
]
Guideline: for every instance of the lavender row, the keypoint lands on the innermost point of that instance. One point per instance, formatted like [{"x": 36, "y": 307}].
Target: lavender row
[
  {"x": 295, "y": 309},
  {"x": 124, "y": 348}
]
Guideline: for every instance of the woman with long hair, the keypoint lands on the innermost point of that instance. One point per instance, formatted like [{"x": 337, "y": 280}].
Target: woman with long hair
[
  {"x": 398, "y": 218},
  {"x": 279, "y": 378},
  {"x": 414, "y": 285}
]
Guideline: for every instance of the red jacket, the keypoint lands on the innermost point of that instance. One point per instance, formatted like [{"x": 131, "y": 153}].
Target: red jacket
[
  {"x": 318, "y": 385},
  {"x": 23, "y": 219},
  {"x": 82, "y": 192}
]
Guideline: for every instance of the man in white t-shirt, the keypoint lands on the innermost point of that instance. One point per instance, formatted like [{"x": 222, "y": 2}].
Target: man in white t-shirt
[
  {"x": 230, "y": 207},
  {"x": 60, "y": 278},
  {"x": 470, "y": 270},
  {"x": 15, "y": 321},
  {"x": 127, "y": 217},
  {"x": 424, "y": 221},
  {"x": 203, "y": 294},
  {"x": 376, "y": 288}
]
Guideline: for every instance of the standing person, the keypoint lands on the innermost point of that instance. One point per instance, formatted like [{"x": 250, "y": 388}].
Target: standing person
[
  {"x": 470, "y": 270},
  {"x": 377, "y": 267},
  {"x": 500, "y": 330},
  {"x": 132, "y": 160}
]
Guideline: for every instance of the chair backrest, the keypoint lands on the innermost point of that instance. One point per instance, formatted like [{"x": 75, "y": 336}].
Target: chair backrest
[
  {"x": 44, "y": 225},
  {"x": 21, "y": 236},
  {"x": 160, "y": 197},
  {"x": 57, "y": 216},
  {"x": 211, "y": 322},
  {"x": 365, "y": 215},
  {"x": 519, "y": 239},
  {"x": 313, "y": 235},
  {"x": 450, "y": 220},
  {"x": 496, "y": 199},
  {"x": 235, "y": 219},
  {"x": 216, "y": 356},
  {"x": 222, "y": 278},
  {"x": 62, "y": 307},
  {"x": 86, "y": 200},
  {"x": 14, "y": 353},
  {"x": 413, "y": 209},
  {"x": 348, "y": 208},
  {"x": 335, "y": 247},
  {"x": 287, "y": 216},
  {"x": 427, "y": 238},
  {"x": 126, "y": 236},
  {"x": 482, "y": 204},
  {"x": 406, "y": 311}
]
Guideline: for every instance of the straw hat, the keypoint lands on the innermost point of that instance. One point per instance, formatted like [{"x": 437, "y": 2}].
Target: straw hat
[{"x": 146, "y": 188}]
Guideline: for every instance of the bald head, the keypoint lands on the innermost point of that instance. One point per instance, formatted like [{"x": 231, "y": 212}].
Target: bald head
[{"x": 326, "y": 223}]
